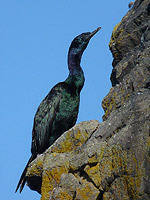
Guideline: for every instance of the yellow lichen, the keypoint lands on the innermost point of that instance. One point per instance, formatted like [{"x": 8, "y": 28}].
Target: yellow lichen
[
  {"x": 93, "y": 159},
  {"x": 94, "y": 174},
  {"x": 125, "y": 98},
  {"x": 50, "y": 179},
  {"x": 87, "y": 191},
  {"x": 133, "y": 182},
  {"x": 71, "y": 142},
  {"x": 109, "y": 104},
  {"x": 46, "y": 186},
  {"x": 36, "y": 169},
  {"x": 63, "y": 195},
  {"x": 148, "y": 141},
  {"x": 114, "y": 35}
]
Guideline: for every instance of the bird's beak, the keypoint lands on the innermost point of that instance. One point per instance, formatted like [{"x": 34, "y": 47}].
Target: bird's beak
[{"x": 94, "y": 32}]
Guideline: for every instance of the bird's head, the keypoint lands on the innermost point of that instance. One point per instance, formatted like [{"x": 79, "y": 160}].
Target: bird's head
[{"x": 80, "y": 42}]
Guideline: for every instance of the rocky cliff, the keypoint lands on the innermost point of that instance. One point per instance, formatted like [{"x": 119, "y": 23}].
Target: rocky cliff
[{"x": 110, "y": 160}]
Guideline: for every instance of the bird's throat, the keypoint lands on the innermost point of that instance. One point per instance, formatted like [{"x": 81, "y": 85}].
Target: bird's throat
[
  {"x": 76, "y": 74},
  {"x": 74, "y": 60}
]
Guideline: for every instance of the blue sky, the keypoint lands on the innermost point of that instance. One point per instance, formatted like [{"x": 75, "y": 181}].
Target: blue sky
[{"x": 34, "y": 40}]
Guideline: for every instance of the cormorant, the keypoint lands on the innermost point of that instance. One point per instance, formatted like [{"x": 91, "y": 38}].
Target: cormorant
[{"x": 59, "y": 110}]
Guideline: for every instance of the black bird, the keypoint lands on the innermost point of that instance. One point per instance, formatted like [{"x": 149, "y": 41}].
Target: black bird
[{"x": 59, "y": 110}]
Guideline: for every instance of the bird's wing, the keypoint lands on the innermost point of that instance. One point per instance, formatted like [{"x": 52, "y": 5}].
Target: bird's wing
[{"x": 43, "y": 121}]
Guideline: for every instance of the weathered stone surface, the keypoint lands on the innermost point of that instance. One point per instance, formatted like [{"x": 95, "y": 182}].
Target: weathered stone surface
[
  {"x": 130, "y": 46},
  {"x": 110, "y": 160},
  {"x": 61, "y": 164}
]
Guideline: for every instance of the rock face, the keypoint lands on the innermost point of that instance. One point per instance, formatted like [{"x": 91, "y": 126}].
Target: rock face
[{"x": 110, "y": 160}]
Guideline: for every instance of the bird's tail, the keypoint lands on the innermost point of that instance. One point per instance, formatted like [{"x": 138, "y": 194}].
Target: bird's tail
[{"x": 22, "y": 180}]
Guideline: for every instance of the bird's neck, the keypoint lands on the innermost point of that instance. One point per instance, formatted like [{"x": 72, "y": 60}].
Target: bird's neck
[
  {"x": 76, "y": 74},
  {"x": 74, "y": 59}
]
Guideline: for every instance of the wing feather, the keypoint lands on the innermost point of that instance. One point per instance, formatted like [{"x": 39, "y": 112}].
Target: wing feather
[{"x": 43, "y": 121}]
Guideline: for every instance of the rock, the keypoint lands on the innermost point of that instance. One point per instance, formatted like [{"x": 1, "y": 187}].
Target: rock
[
  {"x": 130, "y": 46},
  {"x": 61, "y": 163},
  {"x": 110, "y": 160}
]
